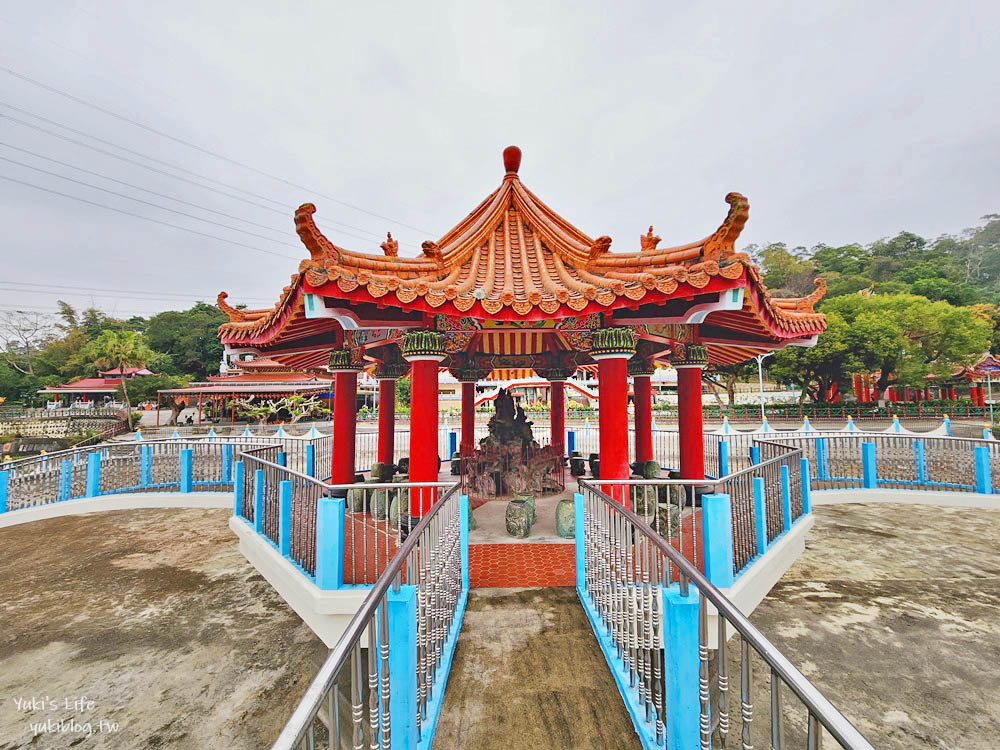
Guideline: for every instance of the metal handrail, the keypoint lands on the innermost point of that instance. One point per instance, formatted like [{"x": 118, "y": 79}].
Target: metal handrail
[
  {"x": 301, "y": 719},
  {"x": 832, "y": 719}
]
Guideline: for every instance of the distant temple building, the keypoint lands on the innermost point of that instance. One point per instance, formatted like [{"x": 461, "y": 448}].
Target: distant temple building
[{"x": 88, "y": 391}]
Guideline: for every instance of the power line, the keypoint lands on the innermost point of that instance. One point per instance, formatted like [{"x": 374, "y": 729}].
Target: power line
[
  {"x": 121, "y": 291},
  {"x": 283, "y": 213},
  {"x": 146, "y": 298},
  {"x": 138, "y": 187},
  {"x": 148, "y": 203},
  {"x": 132, "y": 161},
  {"x": 146, "y": 218},
  {"x": 196, "y": 147}
]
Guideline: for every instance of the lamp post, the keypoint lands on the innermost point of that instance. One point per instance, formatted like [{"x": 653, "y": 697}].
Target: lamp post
[
  {"x": 760, "y": 379},
  {"x": 989, "y": 392}
]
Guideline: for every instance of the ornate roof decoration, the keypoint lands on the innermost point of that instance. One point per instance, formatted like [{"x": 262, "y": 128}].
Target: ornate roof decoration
[
  {"x": 514, "y": 261},
  {"x": 390, "y": 247},
  {"x": 515, "y": 252}
]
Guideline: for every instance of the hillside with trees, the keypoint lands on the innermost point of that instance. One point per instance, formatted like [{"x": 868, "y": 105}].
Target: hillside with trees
[
  {"x": 39, "y": 350},
  {"x": 902, "y": 308}
]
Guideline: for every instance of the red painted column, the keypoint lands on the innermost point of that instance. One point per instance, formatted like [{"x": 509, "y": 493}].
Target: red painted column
[
  {"x": 424, "y": 350},
  {"x": 557, "y": 416},
  {"x": 386, "y": 420},
  {"x": 468, "y": 444},
  {"x": 689, "y": 420},
  {"x": 345, "y": 408},
  {"x": 612, "y": 384},
  {"x": 643, "y": 402}
]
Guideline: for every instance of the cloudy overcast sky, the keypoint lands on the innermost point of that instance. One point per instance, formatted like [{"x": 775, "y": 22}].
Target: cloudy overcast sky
[{"x": 842, "y": 122}]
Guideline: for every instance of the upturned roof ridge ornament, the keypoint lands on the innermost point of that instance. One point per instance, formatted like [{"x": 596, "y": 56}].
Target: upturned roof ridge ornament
[
  {"x": 390, "y": 247},
  {"x": 601, "y": 245},
  {"x": 432, "y": 251},
  {"x": 235, "y": 315},
  {"x": 649, "y": 241}
]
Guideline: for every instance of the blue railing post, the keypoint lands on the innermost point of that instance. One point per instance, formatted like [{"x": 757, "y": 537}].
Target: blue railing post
[
  {"x": 947, "y": 425},
  {"x": 822, "y": 464},
  {"x": 282, "y": 459},
  {"x": 330, "y": 513},
  {"x": 4, "y": 490},
  {"x": 680, "y": 669},
  {"x": 786, "y": 498},
  {"x": 919, "y": 463},
  {"x": 258, "y": 501},
  {"x": 570, "y": 441},
  {"x": 187, "y": 470},
  {"x": 806, "y": 500},
  {"x": 227, "y": 464},
  {"x": 238, "y": 469},
  {"x": 984, "y": 479},
  {"x": 145, "y": 458},
  {"x": 401, "y": 612},
  {"x": 463, "y": 538},
  {"x": 285, "y": 517},
  {"x": 311, "y": 460},
  {"x": 452, "y": 443},
  {"x": 754, "y": 454},
  {"x": 93, "y": 475},
  {"x": 723, "y": 458},
  {"x": 717, "y": 538},
  {"x": 760, "y": 514},
  {"x": 65, "y": 479},
  {"x": 869, "y": 476},
  {"x": 581, "y": 570}
]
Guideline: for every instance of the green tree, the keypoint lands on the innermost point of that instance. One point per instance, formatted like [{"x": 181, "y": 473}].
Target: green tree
[
  {"x": 121, "y": 350},
  {"x": 190, "y": 337},
  {"x": 816, "y": 369},
  {"x": 913, "y": 336}
]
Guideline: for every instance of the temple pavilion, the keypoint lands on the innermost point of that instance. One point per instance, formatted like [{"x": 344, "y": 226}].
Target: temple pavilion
[{"x": 515, "y": 286}]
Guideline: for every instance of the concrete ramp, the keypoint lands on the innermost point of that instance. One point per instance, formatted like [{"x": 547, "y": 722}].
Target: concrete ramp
[{"x": 528, "y": 673}]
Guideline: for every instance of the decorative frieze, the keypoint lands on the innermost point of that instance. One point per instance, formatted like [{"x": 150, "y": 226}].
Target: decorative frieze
[
  {"x": 423, "y": 344},
  {"x": 613, "y": 342},
  {"x": 342, "y": 360},
  {"x": 689, "y": 355},
  {"x": 640, "y": 366}
]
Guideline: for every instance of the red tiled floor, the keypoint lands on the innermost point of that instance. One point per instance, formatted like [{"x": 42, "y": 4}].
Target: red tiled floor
[
  {"x": 524, "y": 564},
  {"x": 510, "y": 565}
]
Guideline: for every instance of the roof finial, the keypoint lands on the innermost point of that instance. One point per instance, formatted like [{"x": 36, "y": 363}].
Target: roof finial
[{"x": 512, "y": 159}]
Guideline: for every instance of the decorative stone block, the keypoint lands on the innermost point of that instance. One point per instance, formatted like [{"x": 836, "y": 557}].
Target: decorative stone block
[
  {"x": 518, "y": 519},
  {"x": 577, "y": 466},
  {"x": 379, "y": 503},
  {"x": 356, "y": 500},
  {"x": 650, "y": 470},
  {"x": 383, "y": 472},
  {"x": 565, "y": 519},
  {"x": 528, "y": 500}
]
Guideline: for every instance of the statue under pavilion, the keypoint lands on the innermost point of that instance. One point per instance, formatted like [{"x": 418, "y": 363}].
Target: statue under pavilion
[{"x": 514, "y": 285}]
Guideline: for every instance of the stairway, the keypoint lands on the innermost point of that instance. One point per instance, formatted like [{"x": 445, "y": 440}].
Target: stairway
[{"x": 528, "y": 673}]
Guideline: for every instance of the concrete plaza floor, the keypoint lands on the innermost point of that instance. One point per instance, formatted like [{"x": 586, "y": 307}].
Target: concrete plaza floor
[
  {"x": 894, "y": 613},
  {"x": 155, "y": 617}
]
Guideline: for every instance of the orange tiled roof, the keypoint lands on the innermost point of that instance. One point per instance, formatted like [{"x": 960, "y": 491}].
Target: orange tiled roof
[{"x": 512, "y": 252}]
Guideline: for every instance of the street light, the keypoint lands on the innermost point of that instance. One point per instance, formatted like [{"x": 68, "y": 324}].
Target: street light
[{"x": 760, "y": 378}]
